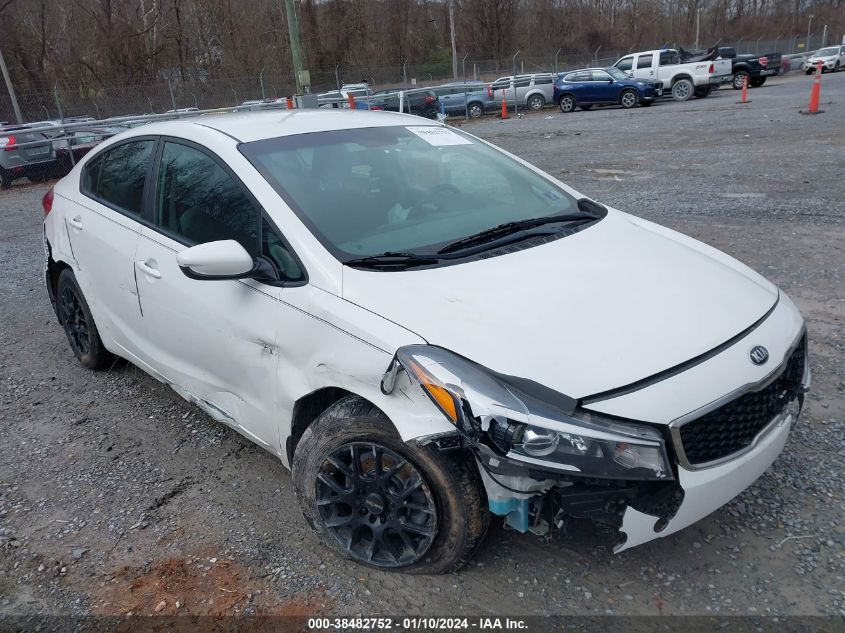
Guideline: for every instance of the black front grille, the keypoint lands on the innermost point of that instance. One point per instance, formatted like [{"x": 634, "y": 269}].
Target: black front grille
[{"x": 733, "y": 426}]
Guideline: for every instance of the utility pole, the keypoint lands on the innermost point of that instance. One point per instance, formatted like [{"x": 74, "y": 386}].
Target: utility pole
[
  {"x": 295, "y": 49},
  {"x": 697, "y": 27},
  {"x": 10, "y": 88},
  {"x": 454, "y": 46},
  {"x": 809, "y": 25}
]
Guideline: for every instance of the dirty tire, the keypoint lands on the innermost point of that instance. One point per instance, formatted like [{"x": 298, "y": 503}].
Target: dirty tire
[
  {"x": 450, "y": 476},
  {"x": 566, "y": 103},
  {"x": 628, "y": 99},
  {"x": 682, "y": 90},
  {"x": 78, "y": 323},
  {"x": 739, "y": 77}
]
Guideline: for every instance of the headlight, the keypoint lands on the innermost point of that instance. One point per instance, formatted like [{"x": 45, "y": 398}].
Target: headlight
[{"x": 528, "y": 422}]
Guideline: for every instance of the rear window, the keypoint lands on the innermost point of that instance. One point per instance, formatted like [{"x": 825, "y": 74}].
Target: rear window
[
  {"x": 117, "y": 176},
  {"x": 644, "y": 61}
]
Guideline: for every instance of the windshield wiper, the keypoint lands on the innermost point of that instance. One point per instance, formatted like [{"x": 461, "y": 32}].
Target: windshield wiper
[
  {"x": 588, "y": 210},
  {"x": 392, "y": 260}
]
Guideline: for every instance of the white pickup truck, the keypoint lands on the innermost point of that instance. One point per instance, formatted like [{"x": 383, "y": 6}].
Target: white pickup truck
[{"x": 683, "y": 80}]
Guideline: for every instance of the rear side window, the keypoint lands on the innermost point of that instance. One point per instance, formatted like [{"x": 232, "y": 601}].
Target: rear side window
[
  {"x": 199, "y": 201},
  {"x": 116, "y": 177},
  {"x": 522, "y": 82},
  {"x": 644, "y": 61},
  {"x": 626, "y": 63}
]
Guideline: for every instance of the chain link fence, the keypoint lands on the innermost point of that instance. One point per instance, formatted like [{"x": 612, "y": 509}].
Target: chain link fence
[{"x": 173, "y": 91}]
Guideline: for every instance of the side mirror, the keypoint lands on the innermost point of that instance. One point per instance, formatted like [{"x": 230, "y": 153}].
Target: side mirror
[{"x": 225, "y": 259}]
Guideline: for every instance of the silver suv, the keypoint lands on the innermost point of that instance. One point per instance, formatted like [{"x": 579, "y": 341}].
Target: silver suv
[
  {"x": 22, "y": 155},
  {"x": 533, "y": 91}
]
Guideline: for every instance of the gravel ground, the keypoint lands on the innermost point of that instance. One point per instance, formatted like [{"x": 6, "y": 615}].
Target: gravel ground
[{"x": 117, "y": 497}]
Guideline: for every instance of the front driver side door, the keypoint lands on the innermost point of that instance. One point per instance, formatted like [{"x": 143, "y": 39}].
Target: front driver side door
[
  {"x": 605, "y": 89},
  {"x": 213, "y": 341}
]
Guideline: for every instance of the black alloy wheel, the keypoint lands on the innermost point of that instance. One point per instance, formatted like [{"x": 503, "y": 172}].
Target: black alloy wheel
[{"x": 376, "y": 504}]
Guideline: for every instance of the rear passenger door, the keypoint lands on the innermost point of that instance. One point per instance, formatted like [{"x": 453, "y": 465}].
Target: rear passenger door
[
  {"x": 214, "y": 341},
  {"x": 104, "y": 225},
  {"x": 644, "y": 68}
]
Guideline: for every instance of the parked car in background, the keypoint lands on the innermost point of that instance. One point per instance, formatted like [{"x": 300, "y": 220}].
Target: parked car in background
[
  {"x": 757, "y": 68},
  {"x": 832, "y": 59},
  {"x": 422, "y": 102},
  {"x": 681, "y": 80},
  {"x": 25, "y": 153},
  {"x": 472, "y": 98},
  {"x": 602, "y": 86},
  {"x": 533, "y": 91}
]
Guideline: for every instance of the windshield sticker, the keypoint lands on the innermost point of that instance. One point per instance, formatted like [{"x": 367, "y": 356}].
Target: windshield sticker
[{"x": 438, "y": 136}]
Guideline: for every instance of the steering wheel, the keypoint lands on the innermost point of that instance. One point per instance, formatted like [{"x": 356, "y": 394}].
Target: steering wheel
[{"x": 445, "y": 187}]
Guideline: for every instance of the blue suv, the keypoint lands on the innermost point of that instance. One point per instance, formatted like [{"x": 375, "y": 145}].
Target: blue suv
[{"x": 602, "y": 86}]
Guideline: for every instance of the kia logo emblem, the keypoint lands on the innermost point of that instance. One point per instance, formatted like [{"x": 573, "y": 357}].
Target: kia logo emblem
[{"x": 759, "y": 354}]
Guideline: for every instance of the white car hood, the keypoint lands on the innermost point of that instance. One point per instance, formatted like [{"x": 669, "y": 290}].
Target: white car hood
[{"x": 615, "y": 303}]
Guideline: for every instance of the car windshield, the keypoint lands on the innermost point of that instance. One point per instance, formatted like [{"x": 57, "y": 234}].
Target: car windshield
[
  {"x": 409, "y": 189},
  {"x": 616, "y": 73},
  {"x": 827, "y": 52}
]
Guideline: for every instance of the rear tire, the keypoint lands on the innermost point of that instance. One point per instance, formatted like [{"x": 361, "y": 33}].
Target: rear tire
[
  {"x": 628, "y": 99},
  {"x": 739, "y": 77},
  {"x": 348, "y": 478},
  {"x": 536, "y": 102},
  {"x": 79, "y": 326},
  {"x": 682, "y": 90},
  {"x": 475, "y": 110},
  {"x": 566, "y": 103},
  {"x": 5, "y": 179}
]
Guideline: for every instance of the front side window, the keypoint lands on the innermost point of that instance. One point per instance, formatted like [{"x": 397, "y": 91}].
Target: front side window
[
  {"x": 522, "y": 82},
  {"x": 198, "y": 201},
  {"x": 540, "y": 81},
  {"x": 410, "y": 189},
  {"x": 600, "y": 75},
  {"x": 626, "y": 63},
  {"x": 117, "y": 176}
]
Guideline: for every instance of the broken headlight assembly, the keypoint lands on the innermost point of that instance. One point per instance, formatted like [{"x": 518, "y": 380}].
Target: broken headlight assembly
[{"x": 526, "y": 422}]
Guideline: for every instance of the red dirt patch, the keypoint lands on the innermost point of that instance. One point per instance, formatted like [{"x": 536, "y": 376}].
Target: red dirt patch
[{"x": 195, "y": 590}]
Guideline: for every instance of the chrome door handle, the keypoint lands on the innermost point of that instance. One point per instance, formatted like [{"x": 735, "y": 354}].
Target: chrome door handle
[
  {"x": 148, "y": 270},
  {"x": 76, "y": 222}
]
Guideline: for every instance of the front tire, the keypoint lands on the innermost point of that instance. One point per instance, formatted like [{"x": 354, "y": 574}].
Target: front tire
[
  {"x": 383, "y": 502},
  {"x": 628, "y": 99},
  {"x": 475, "y": 110},
  {"x": 536, "y": 102},
  {"x": 566, "y": 103},
  {"x": 682, "y": 90},
  {"x": 78, "y": 323}
]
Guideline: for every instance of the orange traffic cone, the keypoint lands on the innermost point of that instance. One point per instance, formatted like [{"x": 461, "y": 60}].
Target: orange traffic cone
[
  {"x": 815, "y": 93},
  {"x": 744, "y": 90},
  {"x": 290, "y": 103},
  {"x": 351, "y": 101},
  {"x": 504, "y": 105}
]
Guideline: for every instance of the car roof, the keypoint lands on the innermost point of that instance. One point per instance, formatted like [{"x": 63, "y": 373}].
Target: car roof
[{"x": 255, "y": 126}]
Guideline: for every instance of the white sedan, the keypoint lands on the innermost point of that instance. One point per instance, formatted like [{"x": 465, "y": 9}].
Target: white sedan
[{"x": 424, "y": 328}]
